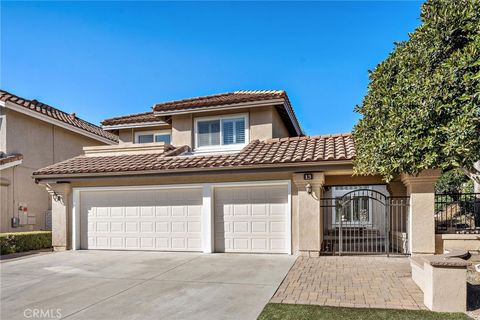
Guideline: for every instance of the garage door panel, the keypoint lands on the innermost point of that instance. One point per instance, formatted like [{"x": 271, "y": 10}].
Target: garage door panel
[
  {"x": 162, "y": 211},
  {"x": 142, "y": 220},
  {"x": 259, "y": 226},
  {"x": 260, "y": 210},
  {"x": 131, "y": 212},
  {"x": 277, "y": 226},
  {"x": 147, "y": 211},
  {"x": 251, "y": 219},
  {"x": 259, "y": 244},
  {"x": 162, "y": 226},
  {"x": 241, "y": 226}
]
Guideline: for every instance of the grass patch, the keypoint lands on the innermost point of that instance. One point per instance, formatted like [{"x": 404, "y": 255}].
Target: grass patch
[
  {"x": 308, "y": 312},
  {"x": 24, "y": 241}
]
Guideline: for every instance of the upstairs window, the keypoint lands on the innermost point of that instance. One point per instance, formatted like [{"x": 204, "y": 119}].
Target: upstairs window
[
  {"x": 221, "y": 133},
  {"x": 153, "y": 136}
]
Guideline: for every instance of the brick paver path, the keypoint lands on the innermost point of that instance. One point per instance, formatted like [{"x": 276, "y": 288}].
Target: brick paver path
[{"x": 351, "y": 281}]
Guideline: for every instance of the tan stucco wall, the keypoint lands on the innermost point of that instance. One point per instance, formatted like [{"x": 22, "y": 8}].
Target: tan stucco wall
[
  {"x": 278, "y": 127},
  {"x": 421, "y": 189},
  {"x": 468, "y": 242},
  {"x": 261, "y": 123},
  {"x": 182, "y": 130},
  {"x": 3, "y": 130},
  {"x": 126, "y": 135},
  {"x": 41, "y": 144},
  {"x": 264, "y": 123}
]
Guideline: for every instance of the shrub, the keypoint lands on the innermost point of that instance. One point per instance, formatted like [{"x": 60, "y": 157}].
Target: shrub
[{"x": 24, "y": 241}]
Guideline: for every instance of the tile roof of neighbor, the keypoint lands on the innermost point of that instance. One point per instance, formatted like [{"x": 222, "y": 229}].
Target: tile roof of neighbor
[
  {"x": 221, "y": 99},
  {"x": 132, "y": 118},
  {"x": 69, "y": 119},
  {"x": 4, "y": 159},
  {"x": 271, "y": 152}
]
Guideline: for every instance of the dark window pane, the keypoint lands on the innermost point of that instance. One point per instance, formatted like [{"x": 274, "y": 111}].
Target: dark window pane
[
  {"x": 163, "y": 138},
  {"x": 145, "y": 138}
]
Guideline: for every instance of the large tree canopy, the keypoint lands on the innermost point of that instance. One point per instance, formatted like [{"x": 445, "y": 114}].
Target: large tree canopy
[{"x": 422, "y": 108}]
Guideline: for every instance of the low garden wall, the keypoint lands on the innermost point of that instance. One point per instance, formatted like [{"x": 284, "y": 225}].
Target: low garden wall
[
  {"x": 467, "y": 242},
  {"x": 24, "y": 241}
]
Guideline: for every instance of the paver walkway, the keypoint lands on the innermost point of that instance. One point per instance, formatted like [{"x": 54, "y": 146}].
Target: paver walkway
[{"x": 351, "y": 281}]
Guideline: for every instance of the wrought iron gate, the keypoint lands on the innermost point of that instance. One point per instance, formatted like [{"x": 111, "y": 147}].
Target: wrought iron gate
[{"x": 365, "y": 221}]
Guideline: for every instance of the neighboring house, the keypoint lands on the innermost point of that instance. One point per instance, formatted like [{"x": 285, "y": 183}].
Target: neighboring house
[
  {"x": 34, "y": 135},
  {"x": 225, "y": 173}
]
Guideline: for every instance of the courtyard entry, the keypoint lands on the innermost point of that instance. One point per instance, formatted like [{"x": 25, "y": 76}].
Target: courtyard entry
[{"x": 364, "y": 220}]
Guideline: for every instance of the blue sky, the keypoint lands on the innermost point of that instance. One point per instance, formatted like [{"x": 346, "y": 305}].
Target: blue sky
[{"x": 103, "y": 59}]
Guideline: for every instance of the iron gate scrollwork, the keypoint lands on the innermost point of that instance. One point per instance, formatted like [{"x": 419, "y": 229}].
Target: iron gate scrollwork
[{"x": 365, "y": 221}]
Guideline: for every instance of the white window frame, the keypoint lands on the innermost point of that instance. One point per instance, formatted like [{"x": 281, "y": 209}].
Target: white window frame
[
  {"x": 222, "y": 147},
  {"x": 154, "y": 133}
]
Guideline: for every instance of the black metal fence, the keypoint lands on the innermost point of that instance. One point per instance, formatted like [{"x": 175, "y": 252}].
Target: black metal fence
[
  {"x": 457, "y": 213},
  {"x": 365, "y": 221}
]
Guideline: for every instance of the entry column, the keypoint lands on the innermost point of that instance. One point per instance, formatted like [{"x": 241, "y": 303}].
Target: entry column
[
  {"x": 310, "y": 223},
  {"x": 421, "y": 228}
]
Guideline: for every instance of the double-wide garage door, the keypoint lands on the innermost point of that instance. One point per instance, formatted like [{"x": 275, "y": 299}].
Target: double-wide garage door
[{"x": 246, "y": 219}]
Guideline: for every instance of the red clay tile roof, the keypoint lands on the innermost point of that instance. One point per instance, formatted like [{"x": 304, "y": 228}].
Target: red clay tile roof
[
  {"x": 271, "y": 152},
  {"x": 69, "y": 119},
  {"x": 4, "y": 159},
  {"x": 220, "y": 99},
  {"x": 132, "y": 118}
]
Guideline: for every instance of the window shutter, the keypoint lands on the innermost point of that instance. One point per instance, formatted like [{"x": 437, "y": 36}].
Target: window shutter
[
  {"x": 240, "y": 131},
  {"x": 208, "y": 133},
  {"x": 228, "y": 133}
]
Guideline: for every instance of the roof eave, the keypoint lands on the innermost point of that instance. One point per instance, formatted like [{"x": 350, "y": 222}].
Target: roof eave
[
  {"x": 39, "y": 116},
  {"x": 10, "y": 164},
  {"x": 134, "y": 125},
  {"x": 191, "y": 170},
  {"x": 253, "y": 104}
]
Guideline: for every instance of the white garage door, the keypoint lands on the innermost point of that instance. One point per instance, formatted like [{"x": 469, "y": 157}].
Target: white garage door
[
  {"x": 251, "y": 219},
  {"x": 142, "y": 220}
]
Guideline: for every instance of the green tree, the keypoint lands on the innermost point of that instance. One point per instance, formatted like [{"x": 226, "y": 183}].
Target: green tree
[
  {"x": 422, "y": 108},
  {"x": 454, "y": 181}
]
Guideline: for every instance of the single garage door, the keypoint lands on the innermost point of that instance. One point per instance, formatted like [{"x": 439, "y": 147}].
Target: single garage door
[
  {"x": 141, "y": 220},
  {"x": 251, "y": 219}
]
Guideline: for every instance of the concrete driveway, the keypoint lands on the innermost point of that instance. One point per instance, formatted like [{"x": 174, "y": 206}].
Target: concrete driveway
[{"x": 140, "y": 285}]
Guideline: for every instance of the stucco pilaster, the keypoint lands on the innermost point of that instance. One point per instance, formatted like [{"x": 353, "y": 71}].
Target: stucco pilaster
[
  {"x": 421, "y": 189},
  {"x": 310, "y": 222},
  {"x": 61, "y": 194}
]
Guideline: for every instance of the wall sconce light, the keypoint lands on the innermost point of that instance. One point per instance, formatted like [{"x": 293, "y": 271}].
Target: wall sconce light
[{"x": 308, "y": 187}]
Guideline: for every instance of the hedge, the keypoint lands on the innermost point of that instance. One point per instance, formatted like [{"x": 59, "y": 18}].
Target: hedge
[{"x": 24, "y": 241}]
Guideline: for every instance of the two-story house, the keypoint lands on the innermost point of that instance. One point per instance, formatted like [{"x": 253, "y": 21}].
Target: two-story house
[
  {"x": 229, "y": 172},
  {"x": 34, "y": 135}
]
